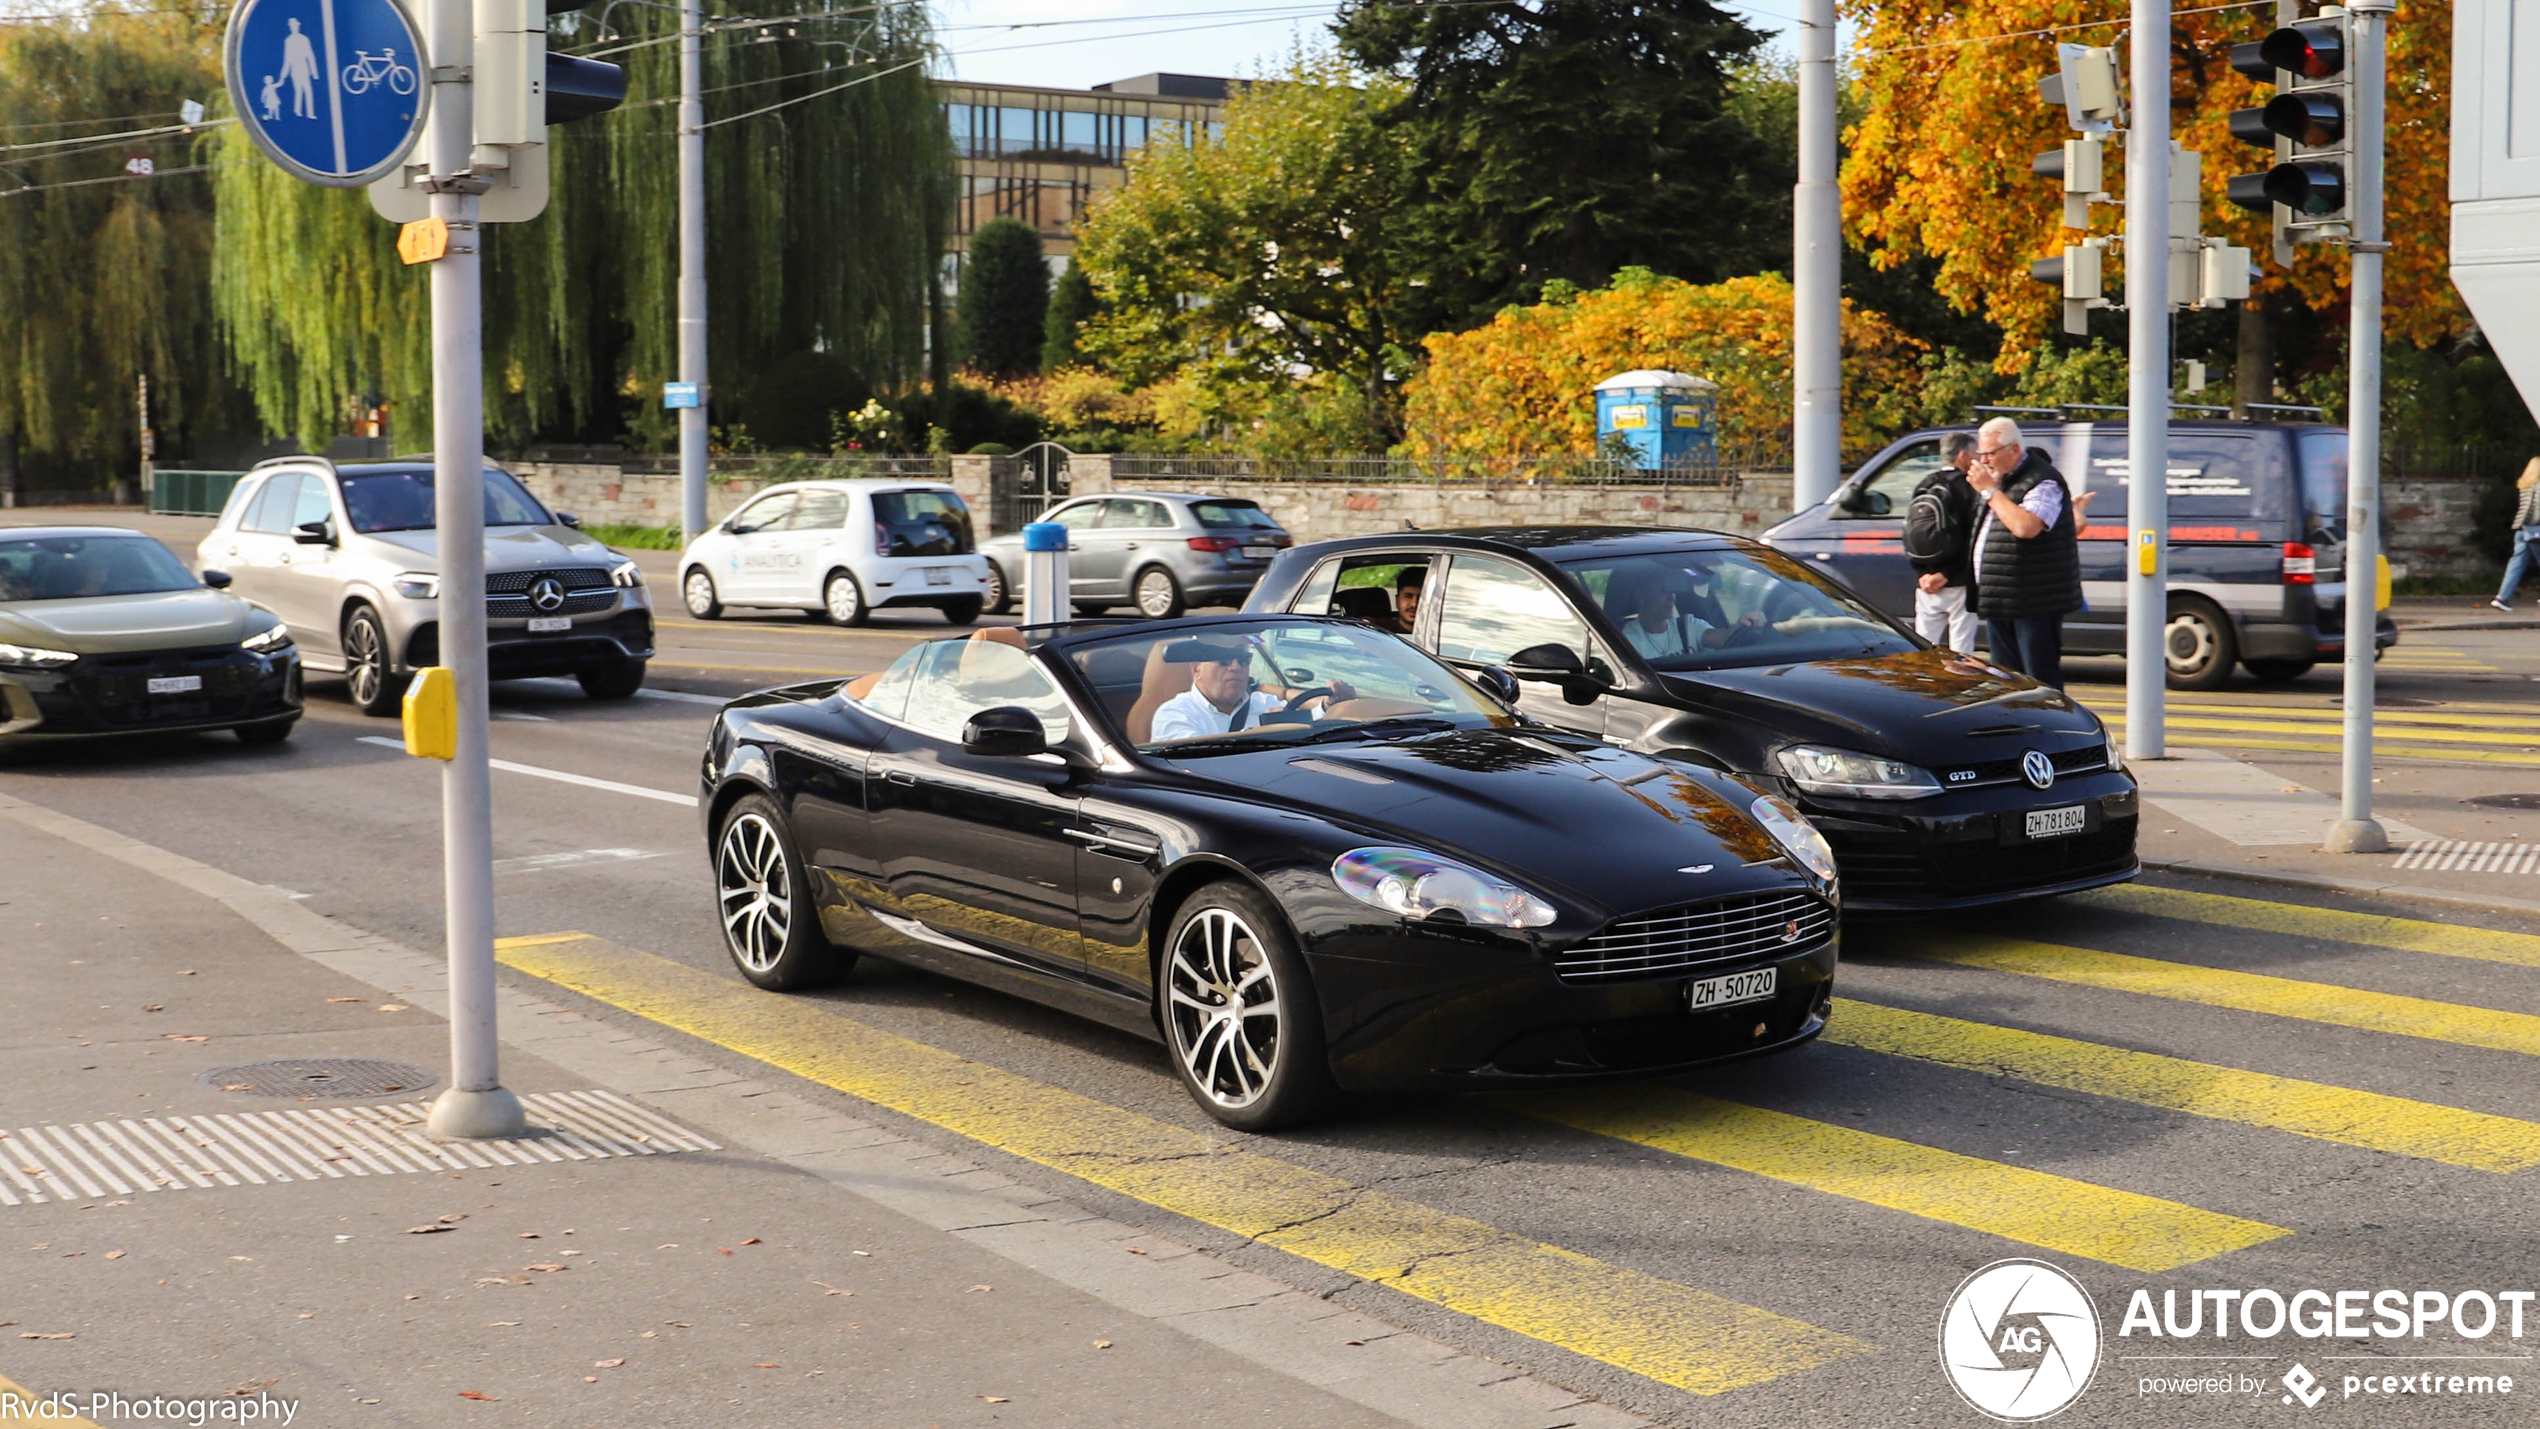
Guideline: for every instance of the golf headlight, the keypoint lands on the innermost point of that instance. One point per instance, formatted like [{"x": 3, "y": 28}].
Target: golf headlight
[
  {"x": 1423, "y": 885},
  {"x": 2116, "y": 748},
  {"x": 267, "y": 641},
  {"x": 34, "y": 656},
  {"x": 1793, "y": 832},
  {"x": 416, "y": 585},
  {"x": 624, "y": 576},
  {"x": 1847, "y": 774}
]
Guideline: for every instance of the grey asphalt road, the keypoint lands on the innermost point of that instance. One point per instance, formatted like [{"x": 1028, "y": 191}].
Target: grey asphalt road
[{"x": 2232, "y": 1089}]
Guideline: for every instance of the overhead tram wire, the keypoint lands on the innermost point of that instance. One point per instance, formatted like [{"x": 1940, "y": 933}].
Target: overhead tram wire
[
  {"x": 108, "y": 179},
  {"x": 2117, "y": 20}
]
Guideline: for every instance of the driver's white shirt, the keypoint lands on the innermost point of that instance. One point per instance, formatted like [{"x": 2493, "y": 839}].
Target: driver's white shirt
[{"x": 1189, "y": 715}]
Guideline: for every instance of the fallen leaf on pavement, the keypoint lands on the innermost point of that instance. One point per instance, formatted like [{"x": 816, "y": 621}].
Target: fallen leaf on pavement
[
  {"x": 392, "y": 1007},
  {"x": 528, "y": 1235},
  {"x": 185, "y": 972},
  {"x": 1102, "y": 1344},
  {"x": 433, "y": 1229},
  {"x": 751, "y": 1241},
  {"x": 473, "y": 1394},
  {"x": 606, "y": 1364},
  {"x": 979, "y": 1287},
  {"x": 453, "y": 1218},
  {"x": 502, "y": 1324},
  {"x": 722, "y": 1250},
  {"x": 767, "y": 1364},
  {"x": 154, "y": 1007},
  {"x": 63, "y": 1335},
  {"x": 348, "y": 999},
  {"x": 859, "y": 1252},
  {"x": 114, "y": 1255},
  {"x": 238, "y": 1086},
  {"x": 1137, "y": 1250},
  {"x": 679, "y": 1324},
  {"x": 993, "y": 1398},
  {"x": 832, "y": 1289},
  {"x": 590, "y": 1379},
  {"x": 185, "y": 1037},
  {"x": 546, "y": 1265}
]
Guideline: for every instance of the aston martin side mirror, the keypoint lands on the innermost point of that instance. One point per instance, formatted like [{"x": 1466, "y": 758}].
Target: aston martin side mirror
[
  {"x": 1008, "y": 731},
  {"x": 216, "y": 580}
]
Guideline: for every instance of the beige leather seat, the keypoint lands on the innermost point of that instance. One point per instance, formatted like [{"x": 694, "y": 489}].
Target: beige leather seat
[{"x": 1160, "y": 681}]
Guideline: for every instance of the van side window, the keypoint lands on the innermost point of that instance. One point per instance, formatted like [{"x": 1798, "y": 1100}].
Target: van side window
[
  {"x": 2323, "y": 455},
  {"x": 2230, "y": 485},
  {"x": 1888, "y": 490}
]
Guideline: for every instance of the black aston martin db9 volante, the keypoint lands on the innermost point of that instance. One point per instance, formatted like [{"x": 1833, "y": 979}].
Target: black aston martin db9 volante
[{"x": 1304, "y": 853}]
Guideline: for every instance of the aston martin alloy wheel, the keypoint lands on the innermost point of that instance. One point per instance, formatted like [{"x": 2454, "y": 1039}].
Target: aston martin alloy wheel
[
  {"x": 1239, "y": 1012},
  {"x": 368, "y": 676},
  {"x": 769, "y": 924}
]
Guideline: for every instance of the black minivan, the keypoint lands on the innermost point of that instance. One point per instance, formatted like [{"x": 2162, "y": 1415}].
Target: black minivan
[{"x": 2257, "y": 541}]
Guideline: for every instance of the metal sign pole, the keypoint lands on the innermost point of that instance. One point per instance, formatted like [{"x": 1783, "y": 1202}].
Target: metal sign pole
[
  {"x": 2356, "y": 831},
  {"x": 1816, "y": 264},
  {"x": 692, "y": 271},
  {"x": 476, "y": 1104},
  {"x": 2147, "y": 297}
]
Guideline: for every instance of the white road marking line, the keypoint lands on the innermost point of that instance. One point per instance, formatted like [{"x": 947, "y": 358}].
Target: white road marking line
[
  {"x": 539, "y": 862},
  {"x": 561, "y": 777},
  {"x": 312, "y": 1143},
  {"x": 683, "y": 696},
  {"x": 519, "y": 715}
]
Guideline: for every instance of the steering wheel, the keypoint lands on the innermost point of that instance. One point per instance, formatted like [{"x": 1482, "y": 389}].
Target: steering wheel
[{"x": 1300, "y": 700}]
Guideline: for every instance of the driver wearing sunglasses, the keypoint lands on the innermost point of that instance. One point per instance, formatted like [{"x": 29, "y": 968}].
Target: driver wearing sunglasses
[{"x": 1223, "y": 698}]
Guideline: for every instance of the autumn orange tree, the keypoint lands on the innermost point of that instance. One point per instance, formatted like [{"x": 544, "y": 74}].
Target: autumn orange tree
[
  {"x": 1938, "y": 163},
  {"x": 1524, "y": 382}
]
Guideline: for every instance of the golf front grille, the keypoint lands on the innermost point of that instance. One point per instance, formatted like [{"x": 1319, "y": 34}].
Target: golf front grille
[{"x": 1672, "y": 941}]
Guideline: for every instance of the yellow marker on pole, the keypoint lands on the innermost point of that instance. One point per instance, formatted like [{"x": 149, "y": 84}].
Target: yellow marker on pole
[
  {"x": 424, "y": 241},
  {"x": 432, "y": 713},
  {"x": 2147, "y": 552},
  {"x": 2381, "y": 582}
]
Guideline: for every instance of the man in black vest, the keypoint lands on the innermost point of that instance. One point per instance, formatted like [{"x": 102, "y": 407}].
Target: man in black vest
[{"x": 2027, "y": 553}]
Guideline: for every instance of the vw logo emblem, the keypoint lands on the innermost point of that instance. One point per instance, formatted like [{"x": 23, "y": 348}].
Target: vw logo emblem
[
  {"x": 547, "y": 593},
  {"x": 2037, "y": 769}
]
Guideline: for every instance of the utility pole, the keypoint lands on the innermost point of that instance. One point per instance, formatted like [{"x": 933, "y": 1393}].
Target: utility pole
[
  {"x": 692, "y": 270},
  {"x": 2356, "y": 831},
  {"x": 1816, "y": 272},
  {"x": 2147, "y": 296},
  {"x": 476, "y": 1104}
]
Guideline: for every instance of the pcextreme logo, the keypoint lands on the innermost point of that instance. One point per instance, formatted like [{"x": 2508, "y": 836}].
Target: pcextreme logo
[{"x": 2019, "y": 1341}]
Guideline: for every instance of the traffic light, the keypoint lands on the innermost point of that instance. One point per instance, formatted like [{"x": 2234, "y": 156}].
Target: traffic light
[
  {"x": 2081, "y": 166},
  {"x": 2304, "y": 126},
  {"x": 2085, "y": 83},
  {"x": 2077, "y": 273},
  {"x": 521, "y": 89}
]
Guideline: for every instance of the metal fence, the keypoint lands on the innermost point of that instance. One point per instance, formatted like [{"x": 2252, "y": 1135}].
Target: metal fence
[
  {"x": 2448, "y": 460},
  {"x": 800, "y": 467},
  {"x": 177, "y": 492},
  {"x": 1560, "y": 470}
]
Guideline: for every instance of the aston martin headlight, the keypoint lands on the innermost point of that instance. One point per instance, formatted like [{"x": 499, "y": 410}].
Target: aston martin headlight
[
  {"x": 624, "y": 576},
  {"x": 34, "y": 657},
  {"x": 1424, "y": 885},
  {"x": 1848, "y": 774},
  {"x": 418, "y": 585},
  {"x": 1793, "y": 832},
  {"x": 267, "y": 641}
]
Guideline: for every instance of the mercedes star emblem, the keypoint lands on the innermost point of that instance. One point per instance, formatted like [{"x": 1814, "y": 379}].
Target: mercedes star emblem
[{"x": 547, "y": 593}]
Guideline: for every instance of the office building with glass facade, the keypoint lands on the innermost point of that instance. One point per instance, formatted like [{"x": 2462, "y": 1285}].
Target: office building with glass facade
[{"x": 1042, "y": 155}]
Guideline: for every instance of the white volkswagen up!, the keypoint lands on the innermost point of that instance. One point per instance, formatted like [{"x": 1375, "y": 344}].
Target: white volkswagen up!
[{"x": 841, "y": 548}]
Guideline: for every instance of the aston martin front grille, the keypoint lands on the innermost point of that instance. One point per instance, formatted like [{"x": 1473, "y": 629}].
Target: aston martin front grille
[{"x": 1671, "y": 941}]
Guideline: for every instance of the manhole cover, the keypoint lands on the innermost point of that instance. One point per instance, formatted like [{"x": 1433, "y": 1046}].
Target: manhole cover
[
  {"x": 319, "y": 1077},
  {"x": 2507, "y": 801}
]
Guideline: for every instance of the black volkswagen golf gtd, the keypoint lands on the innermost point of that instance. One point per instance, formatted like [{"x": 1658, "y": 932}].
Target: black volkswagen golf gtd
[
  {"x": 1307, "y": 855},
  {"x": 1941, "y": 781}
]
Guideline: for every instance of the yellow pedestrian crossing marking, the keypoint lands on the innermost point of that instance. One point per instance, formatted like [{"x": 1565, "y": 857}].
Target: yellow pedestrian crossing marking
[
  {"x": 1688, "y": 1338},
  {"x": 2057, "y": 1213},
  {"x": 2430, "y": 657},
  {"x": 2247, "y": 992},
  {"x": 2384, "y": 731},
  {"x": 2383, "y": 747},
  {"x": 2370, "y": 1120},
  {"x": 2371, "y": 930}
]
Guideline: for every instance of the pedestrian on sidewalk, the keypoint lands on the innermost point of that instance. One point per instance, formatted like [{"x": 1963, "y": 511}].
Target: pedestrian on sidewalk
[
  {"x": 1940, "y": 523},
  {"x": 2027, "y": 562},
  {"x": 2526, "y": 531}
]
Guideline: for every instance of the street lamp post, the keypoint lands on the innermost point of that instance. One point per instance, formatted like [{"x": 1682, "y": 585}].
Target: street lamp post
[
  {"x": 1816, "y": 264},
  {"x": 2147, "y": 296},
  {"x": 692, "y": 270},
  {"x": 2356, "y": 831}
]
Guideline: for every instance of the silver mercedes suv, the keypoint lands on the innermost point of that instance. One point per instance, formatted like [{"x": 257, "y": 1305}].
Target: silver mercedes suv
[{"x": 346, "y": 556}]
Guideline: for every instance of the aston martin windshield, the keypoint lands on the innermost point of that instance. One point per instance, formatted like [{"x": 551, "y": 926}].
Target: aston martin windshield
[
  {"x": 1711, "y": 609},
  {"x": 1223, "y": 686},
  {"x": 74, "y": 567},
  {"x": 402, "y": 501}
]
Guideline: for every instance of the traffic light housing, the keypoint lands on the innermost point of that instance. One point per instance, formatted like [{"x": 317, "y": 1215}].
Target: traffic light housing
[
  {"x": 2085, "y": 84},
  {"x": 2078, "y": 274},
  {"x": 521, "y": 88},
  {"x": 2304, "y": 125}
]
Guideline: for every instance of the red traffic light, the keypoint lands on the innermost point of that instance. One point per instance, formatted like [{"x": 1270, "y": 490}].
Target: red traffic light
[{"x": 2314, "y": 49}]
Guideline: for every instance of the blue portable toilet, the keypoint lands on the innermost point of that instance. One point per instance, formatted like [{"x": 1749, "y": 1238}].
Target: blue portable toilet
[{"x": 1670, "y": 418}]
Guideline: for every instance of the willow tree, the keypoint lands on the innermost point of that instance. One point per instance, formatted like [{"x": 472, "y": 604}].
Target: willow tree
[
  {"x": 828, "y": 196},
  {"x": 102, "y": 270}
]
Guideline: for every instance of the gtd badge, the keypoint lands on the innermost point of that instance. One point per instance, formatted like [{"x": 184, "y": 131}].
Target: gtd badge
[
  {"x": 2019, "y": 1341},
  {"x": 2037, "y": 769}
]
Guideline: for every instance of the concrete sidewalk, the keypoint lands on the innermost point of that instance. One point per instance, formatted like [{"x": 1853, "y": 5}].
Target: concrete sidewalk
[{"x": 850, "y": 1277}]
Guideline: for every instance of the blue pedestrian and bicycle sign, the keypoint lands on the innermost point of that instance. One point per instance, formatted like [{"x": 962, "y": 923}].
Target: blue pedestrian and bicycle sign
[{"x": 332, "y": 90}]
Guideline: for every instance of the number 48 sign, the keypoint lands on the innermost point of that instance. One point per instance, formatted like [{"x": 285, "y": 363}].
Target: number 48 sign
[{"x": 332, "y": 90}]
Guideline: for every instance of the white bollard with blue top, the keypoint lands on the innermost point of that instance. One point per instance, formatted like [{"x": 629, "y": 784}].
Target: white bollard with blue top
[{"x": 1044, "y": 573}]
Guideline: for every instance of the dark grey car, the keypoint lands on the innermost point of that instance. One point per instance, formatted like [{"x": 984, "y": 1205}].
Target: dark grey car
[{"x": 1157, "y": 550}]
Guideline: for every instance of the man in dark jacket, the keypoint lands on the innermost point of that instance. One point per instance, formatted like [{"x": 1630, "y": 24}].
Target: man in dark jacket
[
  {"x": 1940, "y": 522},
  {"x": 2027, "y": 553}
]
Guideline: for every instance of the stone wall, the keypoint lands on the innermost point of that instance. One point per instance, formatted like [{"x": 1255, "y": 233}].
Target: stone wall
[{"x": 2428, "y": 517}]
